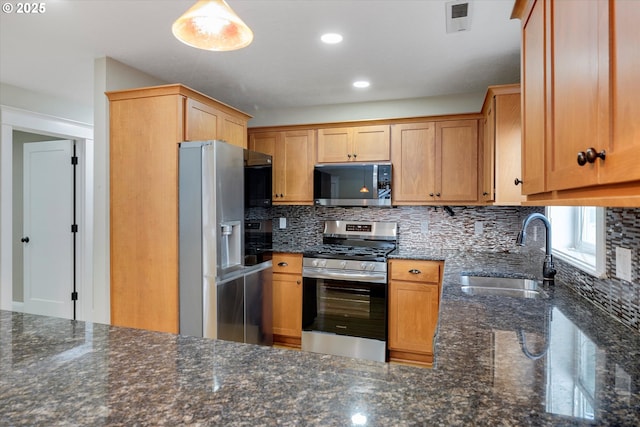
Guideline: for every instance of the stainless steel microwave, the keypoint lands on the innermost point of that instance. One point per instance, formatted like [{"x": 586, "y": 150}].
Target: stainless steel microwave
[{"x": 352, "y": 184}]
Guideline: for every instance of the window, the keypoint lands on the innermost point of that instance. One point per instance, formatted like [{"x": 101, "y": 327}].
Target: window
[{"x": 579, "y": 237}]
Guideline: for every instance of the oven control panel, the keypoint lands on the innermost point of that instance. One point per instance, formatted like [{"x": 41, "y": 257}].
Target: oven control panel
[{"x": 361, "y": 228}]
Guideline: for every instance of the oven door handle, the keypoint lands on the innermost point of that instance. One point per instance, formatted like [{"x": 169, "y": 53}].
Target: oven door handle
[{"x": 358, "y": 277}]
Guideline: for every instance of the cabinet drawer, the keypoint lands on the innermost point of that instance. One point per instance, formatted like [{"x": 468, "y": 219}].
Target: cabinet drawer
[
  {"x": 415, "y": 271},
  {"x": 287, "y": 263}
]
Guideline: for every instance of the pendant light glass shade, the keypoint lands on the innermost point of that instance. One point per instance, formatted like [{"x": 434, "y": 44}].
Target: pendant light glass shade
[{"x": 212, "y": 25}]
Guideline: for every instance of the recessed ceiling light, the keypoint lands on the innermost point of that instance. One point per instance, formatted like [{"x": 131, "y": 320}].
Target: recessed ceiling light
[
  {"x": 331, "y": 38},
  {"x": 361, "y": 84}
]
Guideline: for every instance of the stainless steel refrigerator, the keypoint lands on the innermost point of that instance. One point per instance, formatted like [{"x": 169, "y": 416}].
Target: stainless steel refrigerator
[{"x": 220, "y": 296}]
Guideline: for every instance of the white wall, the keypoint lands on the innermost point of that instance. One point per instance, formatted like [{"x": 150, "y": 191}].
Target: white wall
[
  {"x": 415, "y": 107},
  {"x": 38, "y": 102},
  {"x": 109, "y": 75}
]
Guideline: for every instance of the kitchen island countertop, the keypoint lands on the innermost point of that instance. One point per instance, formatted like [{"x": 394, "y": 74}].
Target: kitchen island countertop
[{"x": 499, "y": 361}]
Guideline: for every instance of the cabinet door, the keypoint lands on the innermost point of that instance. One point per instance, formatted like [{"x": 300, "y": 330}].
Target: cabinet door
[
  {"x": 488, "y": 158},
  {"x": 265, "y": 142},
  {"x": 413, "y": 316},
  {"x": 533, "y": 99},
  {"x": 335, "y": 145},
  {"x": 457, "y": 161},
  {"x": 579, "y": 100},
  {"x": 413, "y": 157},
  {"x": 294, "y": 162},
  {"x": 233, "y": 130},
  {"x": 621, "y": 163},
  {"x": 201, "y": 121},
  {"x": 287, "y": 305},
  {"x": 371, "y": 143},
  {"x": 508, "y": 146}
]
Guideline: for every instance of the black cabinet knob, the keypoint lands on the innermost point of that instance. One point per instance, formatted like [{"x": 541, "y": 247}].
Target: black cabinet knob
[
  {"x": 593, "y": 155},
  {"x": 517, "y": 181},
  {"x": 582, "y": 158},
  {"x": 430, "y": 194},
  {"x": 25, "y": 239},
  {"x": 437, "y": 194}
]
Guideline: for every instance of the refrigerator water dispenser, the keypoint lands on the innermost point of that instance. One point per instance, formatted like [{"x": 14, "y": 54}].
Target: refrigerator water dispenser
[{"x": 231, "y": 244}]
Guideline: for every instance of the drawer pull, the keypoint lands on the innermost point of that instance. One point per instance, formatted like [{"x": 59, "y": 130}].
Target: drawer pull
[
  {"x": 414, "y": 271},
  {"x": 282, "y": 264}
]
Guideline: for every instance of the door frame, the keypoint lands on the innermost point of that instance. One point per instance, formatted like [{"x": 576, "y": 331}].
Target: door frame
[{"x": 28, "y": 121}]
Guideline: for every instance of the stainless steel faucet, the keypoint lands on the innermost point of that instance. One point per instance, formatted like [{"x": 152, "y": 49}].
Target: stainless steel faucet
[{"x": 548, "y": 269}]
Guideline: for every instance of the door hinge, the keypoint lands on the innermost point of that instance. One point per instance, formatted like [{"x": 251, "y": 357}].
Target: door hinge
[
  {"x": 74, "y": 228},
  {"x": 74, "y": 296},
  {"x": 74, "y": 160}
]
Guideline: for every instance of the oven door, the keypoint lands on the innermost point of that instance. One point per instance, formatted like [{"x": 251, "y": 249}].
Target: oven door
[{"x": 343, "y": 307}]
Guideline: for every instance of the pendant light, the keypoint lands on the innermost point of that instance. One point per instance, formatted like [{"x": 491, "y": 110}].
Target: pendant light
[
  {"x": 364, "y": 188},
  {"x": 212, "y": 25}
]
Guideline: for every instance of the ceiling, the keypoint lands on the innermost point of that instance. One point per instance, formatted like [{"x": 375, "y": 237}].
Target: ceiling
[{"x": 401, "y": 46}]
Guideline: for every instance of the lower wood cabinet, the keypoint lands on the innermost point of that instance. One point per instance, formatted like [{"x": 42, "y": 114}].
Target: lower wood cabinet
[
  {"x": 287, "y": 299},
  {"x": 414, "y": 299}
]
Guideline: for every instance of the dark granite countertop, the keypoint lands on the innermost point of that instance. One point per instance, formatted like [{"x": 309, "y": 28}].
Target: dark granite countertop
[{"x": 582, "y": 368}]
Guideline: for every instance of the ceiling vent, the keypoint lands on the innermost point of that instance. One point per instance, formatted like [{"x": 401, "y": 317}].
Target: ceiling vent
[{"x": 458, "y": 15}]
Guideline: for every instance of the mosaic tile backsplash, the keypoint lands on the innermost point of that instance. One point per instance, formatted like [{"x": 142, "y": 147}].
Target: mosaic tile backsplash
[
  {"x": 619, "y": 298},
  {"x": 482, "y": 228}
]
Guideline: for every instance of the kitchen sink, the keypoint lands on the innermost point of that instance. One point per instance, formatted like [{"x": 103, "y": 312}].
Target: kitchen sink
[{"x": 502, "y": 286}]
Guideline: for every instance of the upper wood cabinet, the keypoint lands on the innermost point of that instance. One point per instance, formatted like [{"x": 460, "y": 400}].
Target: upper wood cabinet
[
  {"x": 232, "y": 129},
  {"x": 533, "y": 100},
  {"x": 146, "y": 126},
  {"x": 457, "y": 161},
  {"x": 201, "y": 121},
  {"x": 413, "y": 153},
  {"x": 293, "y": 160},
  {"x": 581, "y": 100},
  {"x": 435, "y": 162},
  {"x": 205, "y": 120},
  {"x": 489, "y": 148},
  {"x": 502, "y": 146},
  {"x": 361, "y": 144}
]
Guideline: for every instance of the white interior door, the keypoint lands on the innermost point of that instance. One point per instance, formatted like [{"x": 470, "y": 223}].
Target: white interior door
[{"x": 47, "y": 237}]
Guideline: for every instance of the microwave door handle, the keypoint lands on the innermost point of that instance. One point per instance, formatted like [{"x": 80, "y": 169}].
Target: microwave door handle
[{"x": 374, "y": 193}]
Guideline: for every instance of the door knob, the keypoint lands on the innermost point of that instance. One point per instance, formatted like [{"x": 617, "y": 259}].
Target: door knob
[{"x": 25, "y": 239}]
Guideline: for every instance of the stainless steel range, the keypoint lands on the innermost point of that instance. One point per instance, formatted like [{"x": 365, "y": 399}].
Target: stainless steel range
[{"x": 344, "y": 295}]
